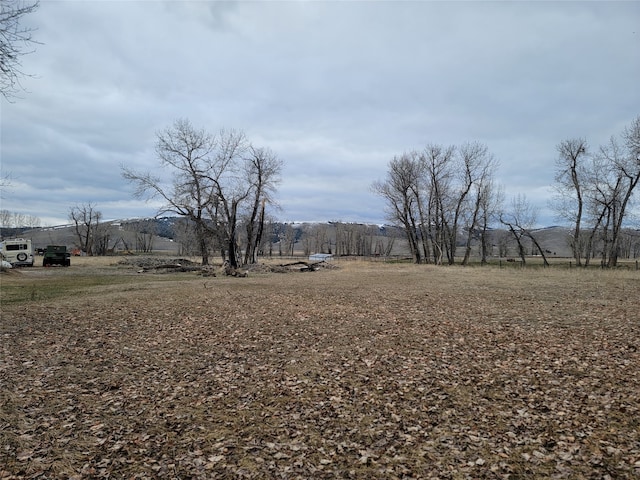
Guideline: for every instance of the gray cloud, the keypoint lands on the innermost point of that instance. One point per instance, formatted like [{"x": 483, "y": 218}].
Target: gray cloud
[{"x": 335, "y": 89}]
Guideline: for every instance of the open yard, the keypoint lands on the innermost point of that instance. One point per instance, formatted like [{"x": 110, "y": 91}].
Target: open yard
[{"x": 365, "y": 371}]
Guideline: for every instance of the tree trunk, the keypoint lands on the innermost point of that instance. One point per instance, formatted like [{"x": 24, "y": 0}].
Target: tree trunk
[
  {"x": 518, "y": 238},
  {"x": 258, "y": 242},
  {"x": 232, "y": 244},
  {"x": 538, "y": 247}
]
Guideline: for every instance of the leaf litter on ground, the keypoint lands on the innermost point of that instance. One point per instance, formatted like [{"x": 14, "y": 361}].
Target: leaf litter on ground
[{"x": 370, "y": 371}]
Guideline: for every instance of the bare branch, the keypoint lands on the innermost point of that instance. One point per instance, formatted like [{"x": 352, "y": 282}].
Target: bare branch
[{"x": 15, "y": 41}]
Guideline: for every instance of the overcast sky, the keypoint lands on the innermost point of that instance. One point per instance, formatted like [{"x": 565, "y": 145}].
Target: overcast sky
[{"x": 335, "y": 89}]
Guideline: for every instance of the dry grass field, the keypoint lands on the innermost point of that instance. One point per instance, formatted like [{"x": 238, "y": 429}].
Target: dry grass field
[{"x": 365, "y": 371}]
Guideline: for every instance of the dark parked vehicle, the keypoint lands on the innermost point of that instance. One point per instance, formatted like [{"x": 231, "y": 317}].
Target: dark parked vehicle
[{"x": 56, "y": 255}]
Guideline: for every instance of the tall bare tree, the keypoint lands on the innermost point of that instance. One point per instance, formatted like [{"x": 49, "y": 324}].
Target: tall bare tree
[
  {"x": 15, "y": 42},
  {"x": 102, "y": 236},
  {"x": 439, "y": 168},
  {"x": 464, "y": 173},
  {"x": 215, "y": 180},
  {"x": 400, "y": 190},
  {"x": 287, "y": 240},
  {"x": 86, "y": 222},
  {"x": 230, "y": 189},
  {"x": 569, "y": 202},
  {"x": 263, "y": 171},
  {"x": 491, "y": 198},
  {"x": 187, "y": 153},
  {"x": 617, "y": 186},
  {"x": 479, "y": 169},
  {"x": 596, "y": 208}
]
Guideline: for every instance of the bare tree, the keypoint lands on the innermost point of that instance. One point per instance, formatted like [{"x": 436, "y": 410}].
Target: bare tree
[
  {"x": 491, "y": 197},
  {"x": 186, "y": 152},
  {"x": 15, "y": 42},
  {"x": 617, "y": 185},
  {"x": 431, "y": 193},
  {"x": 595, "y": 191},
  {"x": 319, "y": 238},
  {"x": 465, "y": 171},
  {"x": 520, "y": 219},
  {"x": 184, "y": 236},
  {"x": 400, "y": 190},
  {"x": 435, "y": 219},
  {"x": 385, "y": 241},
  {"x": 354, "y": 239},
  {"x": 86, "y": 221},
  {"x": 610, "y": 182},
  {"x": 217, "y": 179},
  {"x": 102, "y": 239},
  {"x": 569, "y": 202},
  {"x": 479, "y": 168},
  {"x": 230, "y": 188},
  {"x": 597, "y": 203},
  {"x": 263, "y": 171},
  {"x": 287, "y": 240},
  {"x": 268, "y": 237},
  {"x": 345, "y": 239},
  {"x": 31, "y": 221},
  {"x": 306, "y": 239},
  {"x": 502, "y": 241},
  {"x": 19, "y": 219},
  {"x": 628, "y": 243},
  {"x": 5, "y": 218},
  {"x": 145, "y": 232},
  {"x": 213, "y": 178}
]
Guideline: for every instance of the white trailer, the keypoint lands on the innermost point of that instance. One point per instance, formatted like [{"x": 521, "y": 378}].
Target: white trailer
[{"x": 17, "y": 251}]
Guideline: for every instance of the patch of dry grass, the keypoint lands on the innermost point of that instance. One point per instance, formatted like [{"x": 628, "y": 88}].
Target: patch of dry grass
[{"x": 366, "y": 371}]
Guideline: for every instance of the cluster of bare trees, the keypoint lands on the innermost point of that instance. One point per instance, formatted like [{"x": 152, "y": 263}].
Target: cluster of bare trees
[
  {"x": 18, "y": 220},
  {"x": 317, "y": 238},
  {"x": 97, "y": 237},
  {"x": 361, "y": 240},
  {"x": 594, "y": 191},
  {"x": 435, "y": 193},
  {"x": 219, "y": 184},
  {"x": 345, "y": 239},
  {"x": 440, "y": 193},
  {"x": 144, "y": 231}
]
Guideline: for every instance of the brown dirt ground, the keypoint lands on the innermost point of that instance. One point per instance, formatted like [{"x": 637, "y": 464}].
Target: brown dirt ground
[{"x": 365, "y": 371}]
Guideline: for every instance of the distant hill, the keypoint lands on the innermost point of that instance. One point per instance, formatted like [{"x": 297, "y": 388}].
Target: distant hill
[
  {"x": 122, "y": 233},
  {"x": 554, "y": 240}
]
